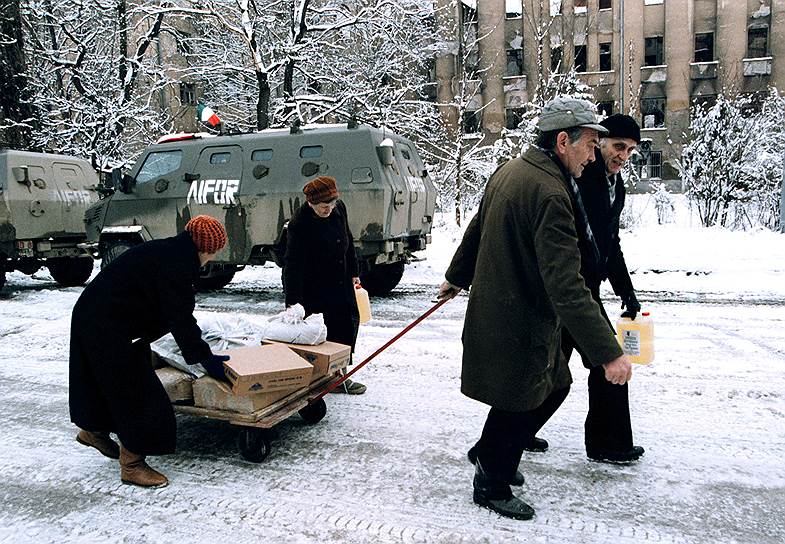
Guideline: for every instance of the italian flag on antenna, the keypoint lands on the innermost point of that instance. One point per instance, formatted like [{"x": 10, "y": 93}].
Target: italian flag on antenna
[{"x": 207, "y": 115}]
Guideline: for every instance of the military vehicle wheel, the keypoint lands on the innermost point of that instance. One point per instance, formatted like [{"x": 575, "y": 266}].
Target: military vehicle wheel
[
  {"x": 254, "y": 444},
  {"x": 382, "y": 279},
  {"x": 70, "y": 271},
  {"x": 212, "y": 283},
  {"x": 114, "y": 250}
]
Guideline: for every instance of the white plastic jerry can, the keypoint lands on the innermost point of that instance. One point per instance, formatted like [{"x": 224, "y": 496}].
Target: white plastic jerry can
[
  {"x": 363, "y": 303},
  {"x": 636, "y": 338}
]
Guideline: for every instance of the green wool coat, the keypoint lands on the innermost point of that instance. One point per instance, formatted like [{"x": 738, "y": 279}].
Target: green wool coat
[{"x": 520, "y": 256}]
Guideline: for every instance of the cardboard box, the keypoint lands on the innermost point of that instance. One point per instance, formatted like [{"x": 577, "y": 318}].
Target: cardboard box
[
  {"x": 177, "y": 384},
  {"x": 210, "y": 393},
  {"x": 260, "y": 369},
  {"x": 326, "y": 358}
]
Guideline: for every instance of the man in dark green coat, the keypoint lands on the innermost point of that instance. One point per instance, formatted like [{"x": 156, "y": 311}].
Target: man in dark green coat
[{"x": 520, "y": 256}]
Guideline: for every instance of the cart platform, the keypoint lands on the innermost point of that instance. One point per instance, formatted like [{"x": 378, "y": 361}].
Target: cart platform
[{"x": 253, "y": 440}]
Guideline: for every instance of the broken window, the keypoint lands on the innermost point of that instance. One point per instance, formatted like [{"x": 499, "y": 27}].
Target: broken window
[
  {"x": 704, "y": 47},
  {"x": 705, "y": 102},
  {"x": 581, "y": 6},
  {"x": 605, "y": 109},
  {"x": 556, "y": 54},
  {"x": 555, "y": 6},
  {"x": 653, "y": 112},
  {"x": 188, "y": 94},
  {"x": 606, "y": 65},
  {"x": 653, "y": 55},
  {"x": 514, "y": 9},
  {"x": 514, "y": 62},
  {"x": 606, "y": 4},
  {"x": 580, "y": 58},
  {"x": 514, "y": 117},
  {"x": 757, "y": 42},
  {"x": 471, "y": 122}
]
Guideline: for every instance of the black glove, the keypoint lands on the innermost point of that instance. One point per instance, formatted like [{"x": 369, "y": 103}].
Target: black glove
[
  {"x": 630, "y": 301},
  {"x": 215, "y": 366}
]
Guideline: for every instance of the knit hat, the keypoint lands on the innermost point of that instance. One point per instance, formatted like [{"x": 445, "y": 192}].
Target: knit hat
[
  {"x": 321, "y": 189},
  {"x": 622, "y": 126},
  {"x": 207, "y": 232}
]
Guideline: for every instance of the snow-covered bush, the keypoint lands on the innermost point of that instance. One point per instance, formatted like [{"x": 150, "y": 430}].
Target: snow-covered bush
[{"x": 732, "y": 163}]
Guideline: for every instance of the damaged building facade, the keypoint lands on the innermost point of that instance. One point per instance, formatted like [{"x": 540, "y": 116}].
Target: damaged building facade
[{"x": 651, "y": 58}]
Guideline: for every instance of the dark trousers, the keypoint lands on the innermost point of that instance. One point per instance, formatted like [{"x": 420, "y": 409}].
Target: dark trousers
[
  {"x": 607, "y": 426},
  {"x": 506, "y": 433}
]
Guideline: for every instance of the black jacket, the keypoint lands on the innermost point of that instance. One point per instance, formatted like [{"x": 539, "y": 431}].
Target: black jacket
[
  {"x": 319, "y": 265},
  {"x": 604, "y": 221},
  {"x": 320, "y": 260},
  {"x": 147, "y": 292}
]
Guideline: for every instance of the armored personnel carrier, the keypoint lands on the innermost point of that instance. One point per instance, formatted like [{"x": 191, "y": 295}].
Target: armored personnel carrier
[
  {"x": 43, "y": 199},
  {"x": 253, "y": 183}
]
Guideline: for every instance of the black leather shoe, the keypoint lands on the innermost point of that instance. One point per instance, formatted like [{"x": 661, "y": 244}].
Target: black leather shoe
[
  {"x": 538, "y": 445},
  {"x": 632, "y": 454},
  {"x": 496, "y": 496},
  {"x": 517, "y": 478}
]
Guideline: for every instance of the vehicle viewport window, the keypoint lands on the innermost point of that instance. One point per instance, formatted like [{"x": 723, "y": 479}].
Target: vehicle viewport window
[
  {"x": 220, "y": 158},
  {"x": 311, "y": 151},
  {"x": 405, "y": 154},
  {"x": 262, "y": 155},
  {"x": 362, "y": 175},
  {"x": 159, "y": 164}
]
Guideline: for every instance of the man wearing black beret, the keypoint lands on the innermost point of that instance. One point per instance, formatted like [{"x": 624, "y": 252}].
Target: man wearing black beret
[{"x": 608, "y": 435}]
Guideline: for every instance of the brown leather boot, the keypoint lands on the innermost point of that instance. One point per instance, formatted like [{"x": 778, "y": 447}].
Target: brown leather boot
[
  {"x": 100, "y": 441},
  {"x": 134, "y": 470}
]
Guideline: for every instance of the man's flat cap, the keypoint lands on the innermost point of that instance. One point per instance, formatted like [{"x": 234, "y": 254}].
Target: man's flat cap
[{"x": 565, "y": 113}]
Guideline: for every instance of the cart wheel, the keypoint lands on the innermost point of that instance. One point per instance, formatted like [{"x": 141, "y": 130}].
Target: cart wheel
[
  {"x": 314, "y": 413},
  {"x": 254, "y": 444}
]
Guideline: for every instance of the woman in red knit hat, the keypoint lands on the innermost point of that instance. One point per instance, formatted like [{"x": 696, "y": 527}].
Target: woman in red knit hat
[
  {"x": 320, "y": 269},
  {"x": 137, "y": 298}
]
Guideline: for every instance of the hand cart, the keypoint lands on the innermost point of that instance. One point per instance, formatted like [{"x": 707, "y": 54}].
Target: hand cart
[
  {"x": 254, "y": 438},
  {"x": 253, "y": 441}
]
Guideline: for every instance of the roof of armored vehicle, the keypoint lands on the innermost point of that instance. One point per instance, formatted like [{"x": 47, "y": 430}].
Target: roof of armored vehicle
[
  {"x": 326, "y": 129},
  {"x": 52, "y": 156}
]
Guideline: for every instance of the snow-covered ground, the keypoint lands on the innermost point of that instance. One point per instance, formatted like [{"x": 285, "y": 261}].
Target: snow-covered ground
[{"x": 390, "y": 465}]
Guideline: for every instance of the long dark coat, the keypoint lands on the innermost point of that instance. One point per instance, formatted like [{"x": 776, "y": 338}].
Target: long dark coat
[
  {"x": 520, "y": 256},
  {"x": 319, "y": 265},
  {"x": 604, "y": 221},
  {"x": 142, "y": 295}
]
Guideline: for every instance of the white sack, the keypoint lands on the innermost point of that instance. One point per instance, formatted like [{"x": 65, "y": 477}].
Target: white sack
[
  {"x": 289, "y": 326},
  {"x": 219, "y": 331},
  {"x": 223, "y": 332}
]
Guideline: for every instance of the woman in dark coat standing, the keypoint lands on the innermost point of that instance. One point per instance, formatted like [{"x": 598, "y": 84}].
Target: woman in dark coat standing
[
  {"x": 320, "y": 270},
  {"x": 142, "y": 295}
]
